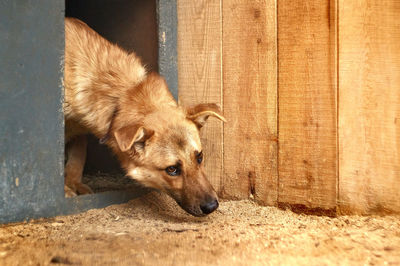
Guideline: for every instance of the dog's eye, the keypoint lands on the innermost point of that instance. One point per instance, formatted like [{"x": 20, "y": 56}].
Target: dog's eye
[
  {"x": 199, "y": 157},
  {"x": 173, "y": 170}
]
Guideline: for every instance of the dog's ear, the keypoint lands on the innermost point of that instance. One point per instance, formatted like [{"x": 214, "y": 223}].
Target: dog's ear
[
  {"x": 132, "y": 135},
  {"x": 201, "y": 112}
]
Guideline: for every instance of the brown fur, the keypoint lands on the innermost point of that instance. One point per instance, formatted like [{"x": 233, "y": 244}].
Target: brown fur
[{"x": 109, "y": 94}]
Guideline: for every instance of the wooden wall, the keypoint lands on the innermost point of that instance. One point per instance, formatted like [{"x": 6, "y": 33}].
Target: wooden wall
[
  {"x": 369, "y": 106},
  {"x": 311, "y": 92}
]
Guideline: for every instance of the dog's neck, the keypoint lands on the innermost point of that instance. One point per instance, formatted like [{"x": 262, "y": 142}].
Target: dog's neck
[{"x": 150, "y": 96}]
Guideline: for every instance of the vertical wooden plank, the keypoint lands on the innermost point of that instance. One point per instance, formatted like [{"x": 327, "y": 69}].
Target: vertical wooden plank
[
  {"x": 307, "y": 103},
  {"x": 250, "y": 102},
  {"x": 199, "y": 67},
  {"x": 369, "y": 106}
]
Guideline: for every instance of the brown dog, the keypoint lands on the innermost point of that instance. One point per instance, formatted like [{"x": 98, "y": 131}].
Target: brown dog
[{"x": 109, "y": 94}]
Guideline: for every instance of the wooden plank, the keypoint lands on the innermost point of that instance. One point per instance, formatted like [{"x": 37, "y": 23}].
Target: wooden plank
[
  {"x": 250, "y": 102},
  {"x": 199, "y": 67},
  {"x": 369, "y": 106},
  {"x": 307, "y": 103}
]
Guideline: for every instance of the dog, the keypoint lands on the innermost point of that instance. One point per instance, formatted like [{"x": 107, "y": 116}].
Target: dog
[{"x": 109, "y": 94}]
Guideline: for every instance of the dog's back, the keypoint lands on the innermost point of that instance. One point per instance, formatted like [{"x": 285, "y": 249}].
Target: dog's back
[{"x": 97, "y": 73}]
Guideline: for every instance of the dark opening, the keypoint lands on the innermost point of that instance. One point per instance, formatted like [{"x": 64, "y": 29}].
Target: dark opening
[{"x": 132, "y": 24}]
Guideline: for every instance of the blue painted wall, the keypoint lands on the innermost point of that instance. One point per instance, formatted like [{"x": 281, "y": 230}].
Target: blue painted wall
[{"x": 31, "y": 118}]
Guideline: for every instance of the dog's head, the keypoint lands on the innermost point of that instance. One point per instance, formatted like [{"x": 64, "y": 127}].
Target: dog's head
[{"x": 162, "y": 150}]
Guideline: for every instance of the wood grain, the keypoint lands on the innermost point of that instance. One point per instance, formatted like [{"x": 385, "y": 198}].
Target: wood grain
[
  {"x": 307, "y": 103},
  {"x": 199, "y": 67},
  {"x": 369, "y": 106},
  {"x": 250, "y": 100}
]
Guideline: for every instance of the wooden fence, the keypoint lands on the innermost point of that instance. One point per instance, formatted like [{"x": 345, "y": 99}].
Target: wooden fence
[{"x": 311, "y": 92}]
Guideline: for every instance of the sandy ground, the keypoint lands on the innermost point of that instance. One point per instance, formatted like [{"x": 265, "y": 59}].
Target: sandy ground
[{"x": 154, "y": 231}]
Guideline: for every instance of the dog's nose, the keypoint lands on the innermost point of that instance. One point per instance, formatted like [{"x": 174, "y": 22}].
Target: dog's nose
[{"x": 209, "y": 207}]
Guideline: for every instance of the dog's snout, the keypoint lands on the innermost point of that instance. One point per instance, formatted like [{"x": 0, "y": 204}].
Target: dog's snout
[{"x": 209, "y": 207}]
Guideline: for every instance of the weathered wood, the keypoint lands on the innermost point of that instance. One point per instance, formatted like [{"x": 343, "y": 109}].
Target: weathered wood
[
  {"x": 369, "y": 106},
  {"x": 307, "y": 103},
  {"x": 199, "y": 66},
  {"x": 250, "y": 100}
]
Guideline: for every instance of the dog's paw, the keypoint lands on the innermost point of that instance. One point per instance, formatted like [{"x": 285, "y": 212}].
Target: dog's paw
[
  {"x": 69, "y": 193},
  {"x": 83, "y": 189},
  {"x": 79, "y": 189}
]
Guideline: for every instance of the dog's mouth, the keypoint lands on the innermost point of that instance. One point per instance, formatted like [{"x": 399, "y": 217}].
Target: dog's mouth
[
  {"x": 199, "y": 209},
  {"x": 193, "y": 210}
]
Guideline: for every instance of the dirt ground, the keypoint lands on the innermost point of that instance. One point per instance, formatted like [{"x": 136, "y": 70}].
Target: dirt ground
[{"x": 153, "y": 231}]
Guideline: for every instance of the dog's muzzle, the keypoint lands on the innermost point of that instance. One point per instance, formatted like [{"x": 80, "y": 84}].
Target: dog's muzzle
[{"x": 203, "y": 209}]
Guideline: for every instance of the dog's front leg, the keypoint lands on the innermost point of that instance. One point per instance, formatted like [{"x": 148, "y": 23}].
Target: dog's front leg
[{"x": 76, "y": 157}]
